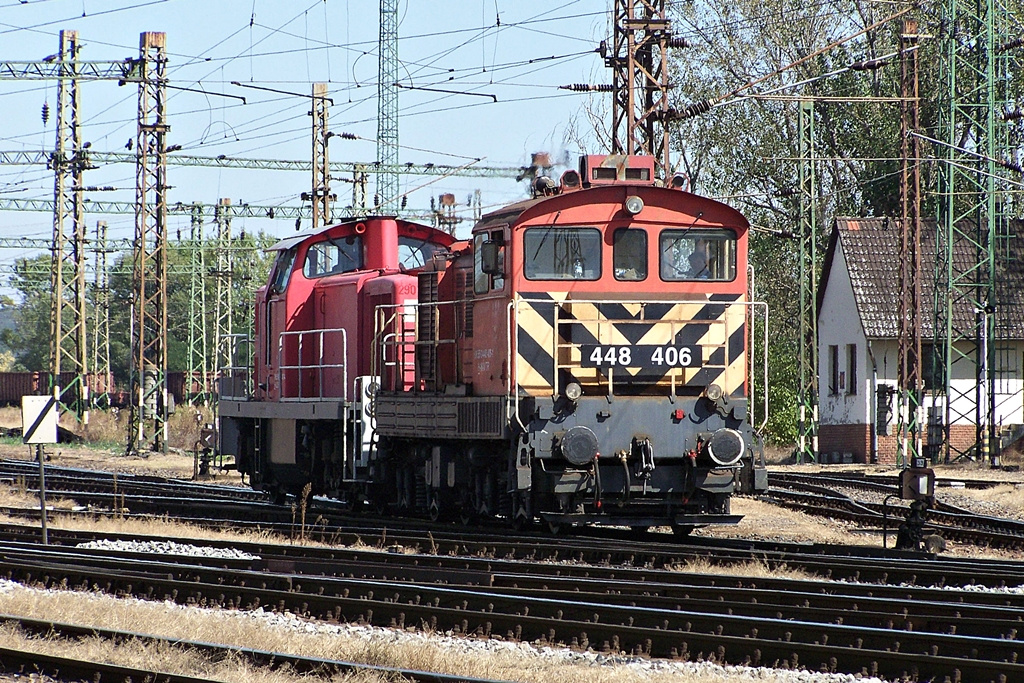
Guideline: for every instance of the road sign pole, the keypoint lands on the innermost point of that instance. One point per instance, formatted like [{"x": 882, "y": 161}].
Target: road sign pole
[{"x": 42, "y": 491}]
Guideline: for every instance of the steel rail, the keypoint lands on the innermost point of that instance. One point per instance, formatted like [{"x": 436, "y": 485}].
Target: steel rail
[
  {"x": 27, "y": 662},
  {"x": 297, "y": 664},
  {"x": 641, "y": 630}
]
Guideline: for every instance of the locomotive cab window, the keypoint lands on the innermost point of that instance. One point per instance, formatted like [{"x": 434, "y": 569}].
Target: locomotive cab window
[
  {"x": 629, "y": 254},
  {"x": 557, "y": 253},
  {"x": 488, "y": 273},
  {"x": 333, "y": 256},
  {"x": 697, "y": 255},
  {"x": 282, "y": 270}
]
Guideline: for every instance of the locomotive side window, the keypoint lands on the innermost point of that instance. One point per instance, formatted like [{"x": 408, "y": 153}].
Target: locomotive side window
[
  {"x": 334, "y": 256},
  {"x": 697, "y": 255},
  {"x": 558, "y": 253},
  {"x": 629, "y": 254},
  {"x": 282, "y": 270}
]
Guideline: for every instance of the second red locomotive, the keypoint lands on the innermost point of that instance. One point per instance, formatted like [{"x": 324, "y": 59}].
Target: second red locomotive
[{"x": 584, "y": 358}]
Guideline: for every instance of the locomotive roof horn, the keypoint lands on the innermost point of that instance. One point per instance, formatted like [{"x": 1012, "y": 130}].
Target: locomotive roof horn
[{"x": 360, "y": 228}]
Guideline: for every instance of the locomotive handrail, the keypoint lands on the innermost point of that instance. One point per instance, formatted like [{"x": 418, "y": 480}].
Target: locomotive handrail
[
  {"x": 384, "y": 336},
  {"x": 319, "y": 366},
  {"x": 234, "y": 375},
  {"x": 409, "y": 336}
]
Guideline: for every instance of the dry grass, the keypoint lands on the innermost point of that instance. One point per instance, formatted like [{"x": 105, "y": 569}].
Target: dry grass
[
  {"x": 769, "y": 522},
  {"x": 758, "y": 568},
  {"x": 456, "y": 656},
  {"x": 1009, "y": 496},
  {"x": 17, "y": 495},
  {"x": 109, "y": 428}
]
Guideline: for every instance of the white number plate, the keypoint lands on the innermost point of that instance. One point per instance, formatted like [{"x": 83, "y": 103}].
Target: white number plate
[{"x": 615, "y": 356}]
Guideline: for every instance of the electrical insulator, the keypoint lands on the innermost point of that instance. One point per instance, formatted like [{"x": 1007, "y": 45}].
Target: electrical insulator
[
  {"x": 46, "y": 112},
  {"x": 677, "y": 42},
  {"x": 586, "y": 87},
  {"x": 695, "y": 109},
  {"x": 405, "y": 200},
  {"x": 298, "y": 223}
]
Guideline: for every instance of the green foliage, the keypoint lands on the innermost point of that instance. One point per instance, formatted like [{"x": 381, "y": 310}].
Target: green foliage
[
  {"x": 29, "y": 338},
  {"x": 745, "y": 150}
]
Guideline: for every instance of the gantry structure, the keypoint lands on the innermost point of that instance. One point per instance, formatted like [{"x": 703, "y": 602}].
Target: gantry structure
[
  {"x": 807, "y": 393},
  {"x": 68, "y": 337},
  {"x": 387, "y": 199},
  {"x": 150, "y": 407},
  {"x": 978, "y": 43},
  {"x": 639, "y": 63},
  {"x": 910, "y": 316}
]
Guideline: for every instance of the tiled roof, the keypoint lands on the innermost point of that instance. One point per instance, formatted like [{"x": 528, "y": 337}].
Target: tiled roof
[{"x": 871, "y": 246}]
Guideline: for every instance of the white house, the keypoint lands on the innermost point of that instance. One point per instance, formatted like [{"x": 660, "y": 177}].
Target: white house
[{"x": 858, "y": 300}]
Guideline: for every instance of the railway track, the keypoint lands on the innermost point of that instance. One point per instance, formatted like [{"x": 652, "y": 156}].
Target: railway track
[
  {"x": 871, "y": 612},
  {"x": 823, "y": 625},
  {"x": 823, "y": 495},
  {"x": 28, "y": 661}
]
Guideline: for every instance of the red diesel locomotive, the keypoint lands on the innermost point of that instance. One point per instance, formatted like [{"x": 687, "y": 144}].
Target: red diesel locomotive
[{"x": 582, "y": 359}]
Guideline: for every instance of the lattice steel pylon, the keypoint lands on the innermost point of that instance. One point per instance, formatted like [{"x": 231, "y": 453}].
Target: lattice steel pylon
[
  {"x": 639, "y": 63},
  {"x": 198, "y": 346},
  {"x": 971, "y": 186},
  {"x": 321, "y": 194},
  {"x": 224, "y": 273},
  {"x": 68, "y": 319},
  {"x": 149, "y": 408},
  {"x": 909, "y": 418},
  {"x": 387, "y": 109},
  {"x": 807, "y": 424},
  {"x": 101, "y": 323}
]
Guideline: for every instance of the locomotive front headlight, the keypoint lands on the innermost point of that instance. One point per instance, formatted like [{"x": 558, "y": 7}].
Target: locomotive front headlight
[
  {"x": 713, "y": 392},
  {"x": 634, "y": 204},
  {"x": 573, "y": 391}
]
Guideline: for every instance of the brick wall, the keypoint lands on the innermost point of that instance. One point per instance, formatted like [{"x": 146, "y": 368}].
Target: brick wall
[
  {"x": 856, "y": 439},
  {"x": 850, "y": 438}
]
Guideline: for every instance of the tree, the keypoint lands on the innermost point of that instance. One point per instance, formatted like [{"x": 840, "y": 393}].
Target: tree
[
  {"x": 744, "y": 149},
  {"x": 29, "y": 338}
]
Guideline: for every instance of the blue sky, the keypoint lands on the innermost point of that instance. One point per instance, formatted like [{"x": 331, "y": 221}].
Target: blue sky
[{"x": 517, "y": 52}]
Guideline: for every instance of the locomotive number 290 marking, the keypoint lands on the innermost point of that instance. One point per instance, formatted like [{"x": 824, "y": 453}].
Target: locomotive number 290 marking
[{"x": 625, "y": 356}]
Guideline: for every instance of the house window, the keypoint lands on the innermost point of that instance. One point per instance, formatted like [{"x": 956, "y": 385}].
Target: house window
[
  {"x": 851, "y": 369},
  {"x": 833, "y": 370},
  {"x": 933, "y": 374},
  {"x": 1006, "y": 369}
]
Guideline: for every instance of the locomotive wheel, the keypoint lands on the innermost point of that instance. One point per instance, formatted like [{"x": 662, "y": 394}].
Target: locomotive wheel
[
  {"x": 557, "y": 528},
  {"x": 682, "y": 530}
]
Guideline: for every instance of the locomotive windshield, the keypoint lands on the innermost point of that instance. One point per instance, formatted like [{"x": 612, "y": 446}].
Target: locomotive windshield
[
  {"x": 697, "y": 255},
  {"x": 334, "y": 256},
  {"x": 558, "y": 253},
  {"x": 282, "y": 270},
  {"x": 629, "y": 254},
  {"x": 415, "y": 252}
]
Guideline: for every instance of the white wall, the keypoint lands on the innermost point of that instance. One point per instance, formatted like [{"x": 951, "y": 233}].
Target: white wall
[{"x": 839, "y": 326}]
